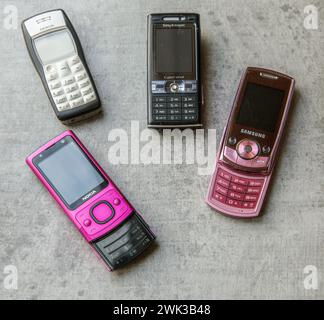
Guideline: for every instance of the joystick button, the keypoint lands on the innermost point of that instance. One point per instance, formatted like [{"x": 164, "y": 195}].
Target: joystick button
[
  {"x": 174, "y": 87},
  {"x": 102, "y": 212},
  {"x": 248, "y": 149}
]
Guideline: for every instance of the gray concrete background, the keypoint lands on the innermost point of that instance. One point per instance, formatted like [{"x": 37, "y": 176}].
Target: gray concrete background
[{"x": 200, "y": 253}]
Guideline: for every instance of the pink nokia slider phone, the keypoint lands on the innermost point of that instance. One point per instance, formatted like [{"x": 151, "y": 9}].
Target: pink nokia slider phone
[
  {"x": 91, "y": 200},
  {"x": 249, "y": 146}
]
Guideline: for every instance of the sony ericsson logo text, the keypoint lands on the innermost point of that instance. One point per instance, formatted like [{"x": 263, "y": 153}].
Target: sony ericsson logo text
[
  {"x": 253, "y": 133},
  {"x": 90, "y": 194}
]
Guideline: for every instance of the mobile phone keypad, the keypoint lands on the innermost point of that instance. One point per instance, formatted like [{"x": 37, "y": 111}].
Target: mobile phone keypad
[
  {"x": 236, "y": 191},
  {"x": 125, "y": 242},
  {"x": 175, "y": 108},
  {"x": 69, "y": 83}
]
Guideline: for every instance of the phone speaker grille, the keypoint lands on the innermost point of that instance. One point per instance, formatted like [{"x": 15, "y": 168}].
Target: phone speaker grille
[{"x": 269, "y": 76}]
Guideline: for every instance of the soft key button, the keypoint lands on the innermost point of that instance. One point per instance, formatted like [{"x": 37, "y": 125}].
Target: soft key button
[
  {"x": 260, "y": 162},
  {"x": 52, "y": 76},
  {"x": 230, "y": 154},
  {"x": 116, "y": 202},
  {"x": 84, "y": 219},
  {"x": 74, "y": 60},
  {"x": 77, "y": 68},
  {"x": 50, "y": 68}
]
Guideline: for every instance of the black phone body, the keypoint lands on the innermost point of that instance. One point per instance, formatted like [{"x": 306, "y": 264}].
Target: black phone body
[
  {"x": 56, "y": 52},
  {"x": 174, "y": 90}
]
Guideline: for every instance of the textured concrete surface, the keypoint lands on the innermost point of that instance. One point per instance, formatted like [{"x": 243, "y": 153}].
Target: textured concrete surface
[{"x": 199, "y": 253}]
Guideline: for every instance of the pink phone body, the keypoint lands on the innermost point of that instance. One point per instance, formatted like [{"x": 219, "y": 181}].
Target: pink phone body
[
  {"x": 98, "y": 213},
  {"x": 249, "y": 146}
]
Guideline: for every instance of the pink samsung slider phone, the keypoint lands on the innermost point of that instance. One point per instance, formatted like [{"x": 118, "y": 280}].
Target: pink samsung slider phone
[
  {"x": 91, "y": 200},
  {"x": 249, "y": 146}
]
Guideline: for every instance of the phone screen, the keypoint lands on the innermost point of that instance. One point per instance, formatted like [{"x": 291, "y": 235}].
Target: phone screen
[
  {"x": 260, "y": 107},
  {"x": 55, "y": 46},
  {"x": 173, "y": 50},
  {"x": 70, "y": 172}
]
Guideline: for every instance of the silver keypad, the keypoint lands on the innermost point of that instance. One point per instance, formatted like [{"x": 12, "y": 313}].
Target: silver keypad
[{"x": 69, "y": 83}]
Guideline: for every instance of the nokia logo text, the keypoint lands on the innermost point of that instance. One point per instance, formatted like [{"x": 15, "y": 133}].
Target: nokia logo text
[
  {"x": 87, "y": 196},
  {"x": 253, "y": 133}
]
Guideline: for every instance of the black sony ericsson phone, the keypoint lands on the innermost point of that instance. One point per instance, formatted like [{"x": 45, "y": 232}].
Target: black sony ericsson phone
[
  {"x": 173, "y": 59},
  {"x": 56, "y": 52}
]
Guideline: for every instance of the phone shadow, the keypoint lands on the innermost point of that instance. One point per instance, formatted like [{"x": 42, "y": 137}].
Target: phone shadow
[
  {"x": 138, "y": 260},
  {"x": 87, "y": 121}
]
